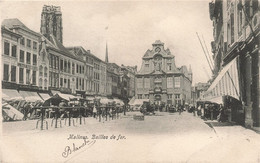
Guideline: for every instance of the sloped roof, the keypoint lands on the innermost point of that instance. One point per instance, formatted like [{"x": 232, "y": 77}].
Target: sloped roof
[
  {"x": 77, "y": 49},
  {"x": 58, "y": 46},
  {"x": 16, "y": 23}
]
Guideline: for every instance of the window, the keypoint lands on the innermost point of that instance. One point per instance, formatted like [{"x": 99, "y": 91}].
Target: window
[
  {"x": 232, "y": 28},
  {"x": 139, "y": 83},
  {"x": 82, "y": 84},
  {"x": 77, "y": 68},
  {"x": 61, "y": 65},
  {"x": 28, "y": 79},
  {"x": 177, "y": 96},
  {"x": 239, "y": 19},
  {"x": 21, "y": 75},
  {"x": 6, "y": 72},
  {"x": 34, "y": 77},
  {"x": 73, "y": 68},
  {"x": 28, "y": 43},
  {"x": 13, "y": 73},
  {"x": 146, "y": 96},
  {"x": 54, "y": 63},
  {"x": 51, "y": 59},
  {"x": 65, "y": 66},
  {"x": 80, "y": 69},
  {"x": 34, "y": 59},
  {"x": 146, "y": 83},
  {"x": 28, "y": 58},
  {"x": 57, "y": 62},
  {"x": 6, "y": 48},
  {"x": 45, "y": 72},
  {"x": 169, "y": 66},
  {"x": 40, "y": 70},
  {"x": 169, "y": 96},
  {"x": 34, "y": 45},
  {"x": 139, "y": 96},
  {"x": 61, "y": 82},
  {"x": 68, "y": 83},
  {"x": 77, "y": 83},
  {"x": 22, "y": 41},
  {"x": 177, "y": 82},
  {"x": 170, "y": 82},
  {"x": 65, "y": 82},
  {"x": 22, "y": 56},
  {"x": 68, "y": 67},
  {"x": 40, "y": 82},
  {"x": 14, "y": 49}
]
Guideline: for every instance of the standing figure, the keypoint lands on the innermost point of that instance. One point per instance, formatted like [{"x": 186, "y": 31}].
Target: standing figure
[{"x": 94, "y": 111}]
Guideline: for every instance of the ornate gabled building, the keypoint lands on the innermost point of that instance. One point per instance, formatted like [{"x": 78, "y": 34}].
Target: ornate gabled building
[{"x": 160, "y": 81}]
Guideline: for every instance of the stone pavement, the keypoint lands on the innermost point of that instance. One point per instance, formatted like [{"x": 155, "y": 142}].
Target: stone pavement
[{"x": 165, "y": 137}]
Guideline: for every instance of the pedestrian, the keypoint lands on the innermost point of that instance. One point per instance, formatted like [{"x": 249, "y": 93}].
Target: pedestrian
[
  {"x": 179, "y": 109},
  {"x": 94, "y": 111},
  {"x": 62, "y": 109}
]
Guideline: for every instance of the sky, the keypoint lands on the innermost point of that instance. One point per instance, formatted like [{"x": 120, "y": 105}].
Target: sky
[{"x": 132, "y": 28}]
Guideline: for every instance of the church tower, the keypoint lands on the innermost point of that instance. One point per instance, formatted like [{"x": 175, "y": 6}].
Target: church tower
[{"x": 51, "y": 22}]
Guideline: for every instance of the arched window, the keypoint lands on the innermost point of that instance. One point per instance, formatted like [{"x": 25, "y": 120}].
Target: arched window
[
  {"x": 45, "y": 83},
  {"x": 40, "y": 82},
  {"x": 45, "y": 72},
  {"x": 40, "y": 70}
]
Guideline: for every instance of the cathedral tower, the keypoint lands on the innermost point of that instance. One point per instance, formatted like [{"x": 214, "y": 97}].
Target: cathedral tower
[{"x": 51, "y": 22}]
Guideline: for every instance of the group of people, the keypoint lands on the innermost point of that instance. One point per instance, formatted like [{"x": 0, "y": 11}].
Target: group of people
[{"x": 210, "y": 111}]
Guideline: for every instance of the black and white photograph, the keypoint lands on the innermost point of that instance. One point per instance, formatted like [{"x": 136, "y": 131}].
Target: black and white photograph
[{"x": 130, "y": 81}]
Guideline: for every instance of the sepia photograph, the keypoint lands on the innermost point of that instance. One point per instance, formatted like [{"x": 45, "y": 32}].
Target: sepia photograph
[{"x": 130, "y": 81}]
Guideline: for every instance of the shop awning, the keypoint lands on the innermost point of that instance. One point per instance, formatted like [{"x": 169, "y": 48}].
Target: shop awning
[
  {"x": 118, "y": 101},
  {"x": 226, "y": 83},
  {"x": 11, "y": 94},
  {"x": 216, "y": 100},
  {"x": 105, "y": 100},
  {"x": 54, "y": 92},
  {"x": 90, "y": 98},
  {"x": 68, "y": 97},
  {"x": 140, "y": 101},
  {"x": 44, "y": 96},
  {"x": 30, "y": 96},
  {"x": 131, "y": 102}
]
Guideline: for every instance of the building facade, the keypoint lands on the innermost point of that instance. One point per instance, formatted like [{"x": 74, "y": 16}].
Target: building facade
[
  {"x": 160, "y": 81},
  {"x": 236, "y": 55},
  {"x": 20, "y": 51}
]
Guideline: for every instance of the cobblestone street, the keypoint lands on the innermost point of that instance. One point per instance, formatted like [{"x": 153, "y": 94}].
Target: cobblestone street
[{"x": 163, "y": 137}]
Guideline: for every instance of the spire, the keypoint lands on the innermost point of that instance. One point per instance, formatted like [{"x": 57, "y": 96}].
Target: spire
[{"x": 106, "y": 54}]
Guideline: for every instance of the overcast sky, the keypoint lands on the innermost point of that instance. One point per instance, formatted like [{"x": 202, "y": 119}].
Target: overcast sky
[{"x": 132, "y": 28}]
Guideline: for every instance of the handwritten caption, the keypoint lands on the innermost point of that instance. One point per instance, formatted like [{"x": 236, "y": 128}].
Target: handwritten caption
[{"x": 87, "y": 142}]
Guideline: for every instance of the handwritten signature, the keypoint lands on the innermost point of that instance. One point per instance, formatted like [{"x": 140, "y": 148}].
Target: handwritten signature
[{"x": 69, "y": 150}]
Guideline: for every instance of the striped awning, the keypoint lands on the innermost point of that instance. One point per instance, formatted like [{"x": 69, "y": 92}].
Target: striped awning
[
  {"x": 226, "y": 83},
  {"x": 44, "y": 96},
  {"x": 30, "y": 96},
  {"x": 11, "y": 94}
]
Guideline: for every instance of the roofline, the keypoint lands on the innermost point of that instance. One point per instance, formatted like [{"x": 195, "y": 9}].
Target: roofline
[
  {"x": 70, "y": 56},
  {"x": 3, "y": 28},
  {"x": 27, "y": 30}
]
